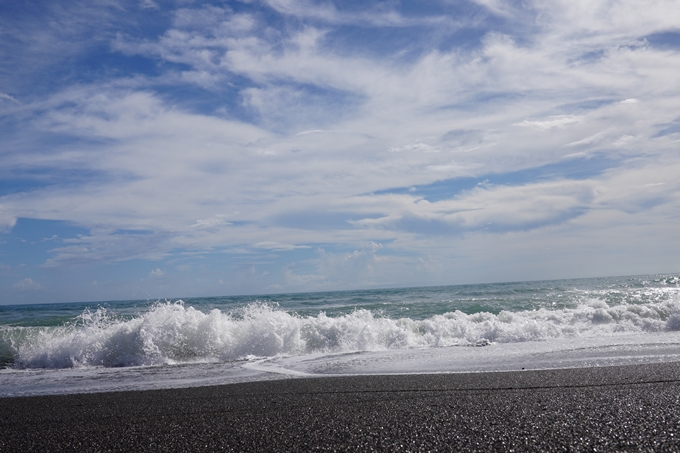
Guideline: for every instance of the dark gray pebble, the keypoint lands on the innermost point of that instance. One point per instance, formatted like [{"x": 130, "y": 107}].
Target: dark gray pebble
[{"x": 626, "y": 408}]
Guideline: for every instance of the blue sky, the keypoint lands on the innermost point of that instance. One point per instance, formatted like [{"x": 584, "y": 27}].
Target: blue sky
[{"x": 156, "y": 149}]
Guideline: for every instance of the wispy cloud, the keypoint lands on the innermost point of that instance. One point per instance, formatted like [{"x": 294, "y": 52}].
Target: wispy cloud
[
  {"x": 7, "y": 97},
  {"x": 381, "y": 15},
  {"x": 27, "y": 284},
  {"x": 148, "y": 4},
  {"x": 105, "y": 247},
  {"x": 279, "y": 247}
]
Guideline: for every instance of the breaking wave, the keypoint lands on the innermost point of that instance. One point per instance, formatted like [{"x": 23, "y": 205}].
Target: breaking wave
[{"x": 174, "y": 333}]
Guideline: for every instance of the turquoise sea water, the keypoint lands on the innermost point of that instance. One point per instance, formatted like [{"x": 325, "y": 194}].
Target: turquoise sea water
[{"x": 297, "y": 327}]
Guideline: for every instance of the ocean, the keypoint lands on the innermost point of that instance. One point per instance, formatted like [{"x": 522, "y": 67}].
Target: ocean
[{"x": 151, "y": 344}]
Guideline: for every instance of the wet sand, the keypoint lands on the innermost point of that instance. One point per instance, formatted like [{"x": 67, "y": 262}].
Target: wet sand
[{"x": 626, "y": 408}]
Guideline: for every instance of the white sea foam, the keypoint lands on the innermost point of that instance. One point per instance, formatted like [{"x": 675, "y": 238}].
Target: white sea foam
[{"x": 172, "y": 333}]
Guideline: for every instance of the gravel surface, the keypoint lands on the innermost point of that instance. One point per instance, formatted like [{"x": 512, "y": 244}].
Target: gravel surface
[{"x": 626, "y": 408}]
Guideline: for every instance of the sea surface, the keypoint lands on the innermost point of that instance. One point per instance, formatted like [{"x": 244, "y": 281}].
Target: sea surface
[{"x": 150, "y": 344}]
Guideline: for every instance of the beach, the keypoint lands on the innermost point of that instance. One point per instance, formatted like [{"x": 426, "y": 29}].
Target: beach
[
  {"x": 619, "y": 408},
  {"x": 568, "y": 365}
]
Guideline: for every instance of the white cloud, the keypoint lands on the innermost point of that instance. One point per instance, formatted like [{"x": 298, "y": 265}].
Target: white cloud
[
  {"x": 415, "y": 147},
  {"x": 106, "y": 246},
  {"x": 554, "y": 121},
  {"x": 156, "y": 273},
  {"x": 593, "y": 139},
  {"x": 27, "y": 284},
  {"x": 275, "y": 246},
  {"x": 326, "y": 12},
  {"x": 7, "y": 218},
  {"x": 148, "y": 4},
  {"x": 213, "y": 222},
  {"x": 498, "y": 7},
  {"x": 490, "y": 208},
  {"x": 7, "y": 97},
  {"x": 607, "y": 19}
]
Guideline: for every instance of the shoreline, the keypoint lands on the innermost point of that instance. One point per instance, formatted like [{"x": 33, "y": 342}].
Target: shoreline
[{"x": 629, "y": 407}]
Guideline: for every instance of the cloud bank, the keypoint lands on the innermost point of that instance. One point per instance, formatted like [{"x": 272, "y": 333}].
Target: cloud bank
[{"x": 299, "y": 145}]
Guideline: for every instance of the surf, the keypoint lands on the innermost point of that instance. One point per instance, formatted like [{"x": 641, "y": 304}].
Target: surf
[{"x": 174, "y": 332}]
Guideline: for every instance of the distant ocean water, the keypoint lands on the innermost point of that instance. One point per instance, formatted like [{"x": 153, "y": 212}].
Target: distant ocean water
[{"x": 118, "y": 345}]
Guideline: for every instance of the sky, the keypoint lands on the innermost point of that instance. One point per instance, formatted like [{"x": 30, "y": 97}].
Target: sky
[{"x": 162, "y": 149}]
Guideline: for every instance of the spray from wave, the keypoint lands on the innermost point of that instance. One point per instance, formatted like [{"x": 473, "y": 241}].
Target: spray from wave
[{"x": 174, "y": 333}]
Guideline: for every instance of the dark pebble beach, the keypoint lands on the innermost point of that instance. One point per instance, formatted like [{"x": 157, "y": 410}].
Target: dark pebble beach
[{"x": 623, "y": 408}]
